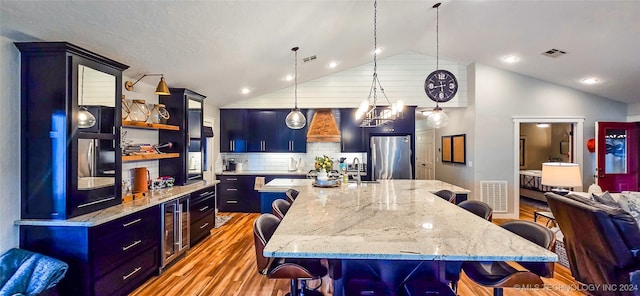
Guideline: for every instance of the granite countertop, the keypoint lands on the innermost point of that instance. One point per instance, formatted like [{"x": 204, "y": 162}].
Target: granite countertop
[
  {"x": 394, "y": 220},
  {"x": 281, "y": 185},
  {"x": 155, "y": 197},
  {"x": 246, "y": 172}
]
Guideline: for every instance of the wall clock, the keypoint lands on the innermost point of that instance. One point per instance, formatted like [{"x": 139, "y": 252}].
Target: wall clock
[{"x": 441, "y": 86}]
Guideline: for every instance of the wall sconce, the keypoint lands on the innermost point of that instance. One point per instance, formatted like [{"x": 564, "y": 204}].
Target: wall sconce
[{"x": 162, "y": 88}]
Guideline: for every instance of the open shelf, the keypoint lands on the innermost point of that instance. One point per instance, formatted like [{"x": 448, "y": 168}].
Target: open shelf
[
  {"x": 138, "y": 124},
  {"x": 149, "y": 156}
]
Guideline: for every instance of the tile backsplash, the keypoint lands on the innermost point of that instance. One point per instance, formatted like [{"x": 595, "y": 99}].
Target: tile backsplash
[{"x": 280, "y": 161}]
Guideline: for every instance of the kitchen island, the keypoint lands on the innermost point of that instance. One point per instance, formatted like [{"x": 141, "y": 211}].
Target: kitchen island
[{"x": 393, "y": 221}]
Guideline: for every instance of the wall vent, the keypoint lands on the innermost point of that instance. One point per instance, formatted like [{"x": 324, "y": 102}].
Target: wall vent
[
  {"x": 309, "y": 58},
  {"x": 494, "y": 193},
  {"x": 554, "y": 53}
]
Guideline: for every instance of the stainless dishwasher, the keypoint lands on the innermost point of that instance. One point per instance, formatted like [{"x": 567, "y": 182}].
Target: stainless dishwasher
[{"x": 175, "y": 229}]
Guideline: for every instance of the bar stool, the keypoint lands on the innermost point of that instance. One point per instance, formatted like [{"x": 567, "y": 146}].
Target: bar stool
[
  {"x": 282, "y": 268},
  {"x": 453, "y": 268},
  {"x": 479, "y": 208},
  {"x": 280, "y": 207},
  {"x": 501, "y": 275},
  {"x": 292, "y": 194},
  {"x": 447, "y": 195}
]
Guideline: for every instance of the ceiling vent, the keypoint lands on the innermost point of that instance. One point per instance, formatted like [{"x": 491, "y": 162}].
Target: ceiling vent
[
  {"x": 554, "y": 53},
  {"x": 309, "y": 58}
]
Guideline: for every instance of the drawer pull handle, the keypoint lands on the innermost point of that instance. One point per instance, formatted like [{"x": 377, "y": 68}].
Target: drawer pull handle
[
  {"x": 204, "y": 209},
  {"x": 124, "y": 277},
  {"x": 96, "y": 202},
  {"x": 131, "y": 223},
  {"x": 131, "y": 245},
  {"x": 232, "y": 179},
  {"x": 232, "y": 201},
  {"x": 205, "y": 225},
  {"x": 232, "y": 189},
  {"x": 208, "y": 193}
]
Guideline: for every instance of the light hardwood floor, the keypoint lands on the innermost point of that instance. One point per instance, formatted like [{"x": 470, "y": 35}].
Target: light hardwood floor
[{"x": 224, "y": 264}]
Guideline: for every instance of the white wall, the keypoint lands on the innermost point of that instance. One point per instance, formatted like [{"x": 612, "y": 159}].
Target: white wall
[
  {"x": 633, "y": 112},
  {"x": 500, "y": 95},
  {"x": 9, "y": 143},
  {"x": 402, "y": 77}
]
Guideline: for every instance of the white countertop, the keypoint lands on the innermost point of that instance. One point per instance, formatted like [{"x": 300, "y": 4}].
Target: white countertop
[
  {"x": 281, "y": 185},
  {"x": 155, "y": 197},
  {"x": 258, "y": 173},
  {"x": 393, "y": 220}
]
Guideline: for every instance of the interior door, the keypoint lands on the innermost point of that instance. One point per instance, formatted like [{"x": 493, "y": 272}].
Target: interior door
[
  {"x": 425, "y": 155},
  {"x": 617, "y": 156}
]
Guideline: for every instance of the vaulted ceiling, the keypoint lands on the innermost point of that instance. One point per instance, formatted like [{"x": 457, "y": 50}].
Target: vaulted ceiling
[{"x": 219, "y": 47}]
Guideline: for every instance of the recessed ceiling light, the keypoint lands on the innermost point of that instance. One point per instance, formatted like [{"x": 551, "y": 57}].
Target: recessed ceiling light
[
  {"x": 245, "y": 91},
  {"x": 333, "y": 64},
  {"x": 590, "y": 80},
  {"x": 288, "y": 77},
  {"x": 511, "y": 59},
  {"x": 377, "y": 51},
  {"x": 542, "y": 125}
]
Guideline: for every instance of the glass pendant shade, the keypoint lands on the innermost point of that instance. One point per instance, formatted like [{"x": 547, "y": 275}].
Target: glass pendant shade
[
  {"x": 295, "y": 119},
  {"x": 437, "y": 118},
  {"x": 85, "y": 118}
]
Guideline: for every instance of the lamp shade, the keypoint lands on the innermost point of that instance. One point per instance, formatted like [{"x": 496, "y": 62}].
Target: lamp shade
[
  {"x": 561, "y": 174},
  {"x": 162, "y": 88},
  {"x": 437, "y": 118},
  {"x": 295, "y": 119}
]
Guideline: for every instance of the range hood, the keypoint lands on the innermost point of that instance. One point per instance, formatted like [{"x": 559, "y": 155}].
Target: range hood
[{"x": 323, "y": 127}]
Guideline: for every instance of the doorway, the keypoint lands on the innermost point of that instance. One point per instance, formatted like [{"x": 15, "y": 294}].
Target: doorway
[{"x": 556, "y": 142}]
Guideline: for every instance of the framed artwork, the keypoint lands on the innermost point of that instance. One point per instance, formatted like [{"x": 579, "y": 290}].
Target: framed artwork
[
  {"x": 446, "y": 149},
  {"x": 523, "y": 142},
  {"x": 459, "y": 149}
]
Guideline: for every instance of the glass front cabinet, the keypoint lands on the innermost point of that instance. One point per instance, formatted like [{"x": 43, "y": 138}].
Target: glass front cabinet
[{"x": 70, "y": 110}]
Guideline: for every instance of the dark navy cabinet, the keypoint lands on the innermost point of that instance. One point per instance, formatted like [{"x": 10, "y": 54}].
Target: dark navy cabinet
[
  {"x": 233, "y": 130},
  {"x": 68, "y": 169},
  {"x": 259, "y": 130},
  {"x": 112, "y": 258},
  {"x": 202, "y": 214},
  {"x": 352, "y": 135},
  {"x": 185, "y": 109}
]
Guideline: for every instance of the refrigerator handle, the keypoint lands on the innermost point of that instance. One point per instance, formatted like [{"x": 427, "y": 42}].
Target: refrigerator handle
[{"x": 373, "y": 161}]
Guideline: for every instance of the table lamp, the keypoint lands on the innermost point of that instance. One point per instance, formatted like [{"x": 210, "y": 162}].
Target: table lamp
[{"x": 561, "y": 175}]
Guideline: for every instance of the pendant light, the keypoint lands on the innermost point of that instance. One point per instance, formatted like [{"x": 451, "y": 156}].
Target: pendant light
[
  {"x": 440, "y": 85},
  {"x": 85, "y": 118},
  {"x": 369, "y": 114},
  {"x": 295, "y": 119}
]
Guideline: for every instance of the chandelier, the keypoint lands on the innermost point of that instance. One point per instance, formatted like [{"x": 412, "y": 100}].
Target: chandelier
[{"x": 369, "y": 113}]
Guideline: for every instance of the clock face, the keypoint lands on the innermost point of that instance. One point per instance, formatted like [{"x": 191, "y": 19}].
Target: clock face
[{"x": 441, "y": 86}]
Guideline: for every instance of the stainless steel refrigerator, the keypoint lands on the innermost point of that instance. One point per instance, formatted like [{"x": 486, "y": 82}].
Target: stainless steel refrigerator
[{"x": 391, "y": 157}]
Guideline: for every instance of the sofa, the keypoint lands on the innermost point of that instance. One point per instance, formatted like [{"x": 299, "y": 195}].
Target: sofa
[
  {"x": 602, "y": 244},
  {"x": 27, "y": 273}
]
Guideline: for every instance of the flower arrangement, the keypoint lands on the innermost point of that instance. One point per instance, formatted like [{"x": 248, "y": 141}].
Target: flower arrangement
[{"x": 324, "y": 162}]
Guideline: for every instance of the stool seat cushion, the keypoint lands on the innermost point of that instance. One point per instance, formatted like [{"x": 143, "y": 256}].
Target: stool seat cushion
[
  {"x": 499, "y": 274},
  {"x": 282, "y": 268}
]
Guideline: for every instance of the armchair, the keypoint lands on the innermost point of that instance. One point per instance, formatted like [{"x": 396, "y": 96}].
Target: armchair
[{"x": 602, "y": 242}]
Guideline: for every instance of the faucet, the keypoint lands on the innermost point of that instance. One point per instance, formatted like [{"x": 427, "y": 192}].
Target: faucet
[{"x": 357, "y": 176}]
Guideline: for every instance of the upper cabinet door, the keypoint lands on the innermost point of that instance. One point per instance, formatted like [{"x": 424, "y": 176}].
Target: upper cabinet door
[
  {"x": 233, "y": 130},
  {"x": 617, "y": 156},
  {"x": 352, "y": 135},
  {"x": 263, "y": 129},
  {"x": 291, "y": 140}
]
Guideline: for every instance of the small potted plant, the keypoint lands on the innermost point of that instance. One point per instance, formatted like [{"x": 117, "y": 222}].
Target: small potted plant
[{"x": 323, "y": 165}]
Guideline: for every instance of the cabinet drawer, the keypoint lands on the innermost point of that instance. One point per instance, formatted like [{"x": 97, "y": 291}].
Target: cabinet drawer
[
  {"x": 109, "y": 251},
  {"x": 144, "y": 218},
  {"x": 239, "y": 203},
  {"x": 205, "y": 193},
  {"x": 129, "y": 275},
  {"x": 202, "y": 208},
  {"x": 236, "y": 179},
  {"x": 202, "y": 228},
  {"x": 227, "y": 189}
]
